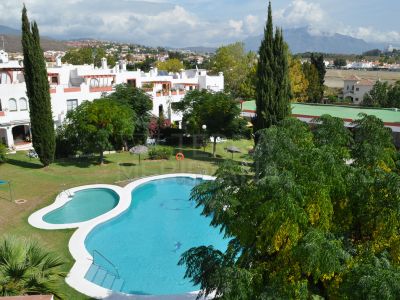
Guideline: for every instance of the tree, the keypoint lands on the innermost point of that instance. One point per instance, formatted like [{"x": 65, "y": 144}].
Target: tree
[
  {"x": 88, "y": 55},
  {"x": 28, "y": 269},
  {"x": 313, "y": 88},
  {"x": 273, "y": 85},
  {"x": 141, "y": 105},
  {"x": 238, "y": 67},
  {"x": 318, "y": 62},
  {"x": 298, "y": 81},
  {"x": 393, "y": 95},
  {"x": 38, "y": 92},
  {"x": 218, "y": 111},
  {"x": 173, "y": 65},
  {"x": 378, "y": 96},
  {"x": 303, "y": 223},
  {"x": 3, "y": 153},
  {"x": 339, "y": 62},
  {"x": 94, "y": 126}
]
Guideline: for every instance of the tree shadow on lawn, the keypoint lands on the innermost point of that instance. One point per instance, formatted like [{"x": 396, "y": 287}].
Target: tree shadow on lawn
[
  {"x": 81, "y": 162},
  {"x": 34, "y": 164},
  {"x": 200, "y": 155}
]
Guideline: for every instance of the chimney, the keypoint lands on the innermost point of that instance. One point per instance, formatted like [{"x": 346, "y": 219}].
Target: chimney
[
  {"x": 58, "y": 61},
  {"x": 104, "y": 63}
]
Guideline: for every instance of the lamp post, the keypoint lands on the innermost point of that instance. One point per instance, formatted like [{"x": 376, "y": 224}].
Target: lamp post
[{"x": 204, "y": 127}]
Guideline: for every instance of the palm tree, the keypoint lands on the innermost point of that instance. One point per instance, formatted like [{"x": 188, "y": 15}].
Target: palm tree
[{"x": 28, "y": 269}]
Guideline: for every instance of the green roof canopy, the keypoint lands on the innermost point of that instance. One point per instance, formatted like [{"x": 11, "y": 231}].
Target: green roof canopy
[{"x": 344, "y": 112}]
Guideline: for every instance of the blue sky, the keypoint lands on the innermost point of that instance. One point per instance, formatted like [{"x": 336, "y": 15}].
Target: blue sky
[{"x": 204, "y": 22}]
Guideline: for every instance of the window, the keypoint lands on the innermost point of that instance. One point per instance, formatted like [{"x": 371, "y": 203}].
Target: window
[
  {"x": 54, "y": 80},
  {"x": 94, "y": 82},
  {"x": 131, "y": 82},
  {"x": 357, "y": 89},
  {"x": 12, "y": 105},
  {"x": 356, "y": 99},
  {"x": 72, "y": 104},
  {"x": 23, "y": 104}
]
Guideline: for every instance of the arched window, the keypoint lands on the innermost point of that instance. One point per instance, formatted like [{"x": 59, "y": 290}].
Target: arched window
[
  {"x": 23, "y": 104},
  {"x": 94, "y": 82},
  {"x": 12, "y": 105}
]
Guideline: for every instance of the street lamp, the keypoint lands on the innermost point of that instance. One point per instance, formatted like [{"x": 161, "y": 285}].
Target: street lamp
[{"x": 204, "y": 141}]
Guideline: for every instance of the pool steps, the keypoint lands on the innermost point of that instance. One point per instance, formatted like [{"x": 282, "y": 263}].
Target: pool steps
[{"x": 103, "y": 278}]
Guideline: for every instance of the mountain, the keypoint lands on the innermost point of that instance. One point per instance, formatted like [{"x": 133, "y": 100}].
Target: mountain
[
  {"x": 200, "y": 49},
  {"x": 300, "y": 40},
  {"x": 12, "y": 41},
  {"x": 4, "y": 30}
]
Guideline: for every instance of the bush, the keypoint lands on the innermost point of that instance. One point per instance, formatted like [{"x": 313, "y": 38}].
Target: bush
[
  {"x": 160, "y": 153},
  {"x": 3, "y": 152}
]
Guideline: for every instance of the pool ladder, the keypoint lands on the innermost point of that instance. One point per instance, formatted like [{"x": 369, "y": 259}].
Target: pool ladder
[{"x": 99, "y": 275}]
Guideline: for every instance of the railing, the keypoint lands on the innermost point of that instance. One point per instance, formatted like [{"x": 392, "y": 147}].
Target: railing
[
  {"x": 101, "y": 89},
  {"x": 108, "y": 261},
  {"x": 72, "y": 90}
]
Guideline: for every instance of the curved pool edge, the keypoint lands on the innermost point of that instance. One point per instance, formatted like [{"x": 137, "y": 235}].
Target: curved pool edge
[
  {"x": 36, "y": 219},
  {"x": 83, "y": 259}
]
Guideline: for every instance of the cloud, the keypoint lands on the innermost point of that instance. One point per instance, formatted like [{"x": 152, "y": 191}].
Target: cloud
[{"x": 300, "y": 13}]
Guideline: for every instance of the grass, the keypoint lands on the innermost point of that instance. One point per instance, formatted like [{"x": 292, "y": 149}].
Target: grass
[{"x": 39, "y": 186}]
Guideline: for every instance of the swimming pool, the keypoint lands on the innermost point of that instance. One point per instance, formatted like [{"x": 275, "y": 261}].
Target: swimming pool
[
  {"x": 84, "y": 205},
  {"x": 143, "y": 245}
]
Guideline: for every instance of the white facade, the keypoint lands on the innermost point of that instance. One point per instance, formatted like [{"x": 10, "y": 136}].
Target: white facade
[
  {"x": 355, "y": 88},
  {"x": 71, "y": 85}
]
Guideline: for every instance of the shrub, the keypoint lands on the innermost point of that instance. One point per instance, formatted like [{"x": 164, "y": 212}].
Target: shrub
[
  {"x": 160, "y": 153},
  {"x": 3, "y": 152}
]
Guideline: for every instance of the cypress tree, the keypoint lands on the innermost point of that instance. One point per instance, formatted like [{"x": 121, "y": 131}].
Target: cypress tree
[
  {"x": 273, "y": 83},
  {"x": 282, "y": 80},
  {"x": 319, "y": 64},
  {"x": 265, "y": 85},
  {"x": 37, "y": 86}
]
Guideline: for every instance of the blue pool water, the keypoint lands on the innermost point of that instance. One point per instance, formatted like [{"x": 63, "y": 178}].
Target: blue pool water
[
  {"x": 146, "y": 242},
  {"x": 85, "y": 205}
]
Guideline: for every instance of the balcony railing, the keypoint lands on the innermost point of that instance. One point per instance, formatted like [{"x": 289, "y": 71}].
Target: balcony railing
[
  {"x": 72, "y": 90},
  {"x": 101, "y": 89}
]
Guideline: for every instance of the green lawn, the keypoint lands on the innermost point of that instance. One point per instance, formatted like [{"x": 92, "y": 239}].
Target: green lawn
[{"x": 39, "y": 186}]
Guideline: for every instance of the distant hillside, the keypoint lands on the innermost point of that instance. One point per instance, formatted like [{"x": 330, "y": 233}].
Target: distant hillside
[
  {"x": 12, "y": 41},
  {"x": 9, "y": 31},
  {"x": 300, "y": 41},
  {"x": 200, "y": 49}
]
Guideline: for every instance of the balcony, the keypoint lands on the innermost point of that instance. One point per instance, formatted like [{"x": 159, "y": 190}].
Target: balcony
[
  {"x": 101, "y": 89},
  {"x": 72, "y": 90}
]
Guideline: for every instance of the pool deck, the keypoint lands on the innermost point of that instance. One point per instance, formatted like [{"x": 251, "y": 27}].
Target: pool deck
[{"x": 83, "y": 259}]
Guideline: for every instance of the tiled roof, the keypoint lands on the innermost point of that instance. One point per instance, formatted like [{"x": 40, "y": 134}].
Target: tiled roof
[
  {"x": 35, "y": 297},
  {"x": 352, "y": 78},
  {"x": 366, "y": 82}
]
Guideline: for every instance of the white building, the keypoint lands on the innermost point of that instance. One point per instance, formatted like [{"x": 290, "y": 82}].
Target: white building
[
  {"x": 355, "y": 88},
  {"x": 71, "y": 85}
]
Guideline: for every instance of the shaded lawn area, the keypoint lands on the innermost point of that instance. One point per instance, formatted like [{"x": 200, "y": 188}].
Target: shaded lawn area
[{"x": 39, "y": 186}]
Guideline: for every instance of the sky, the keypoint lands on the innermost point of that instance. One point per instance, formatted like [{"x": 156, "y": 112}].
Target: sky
[{"x": 180, "y": 23}]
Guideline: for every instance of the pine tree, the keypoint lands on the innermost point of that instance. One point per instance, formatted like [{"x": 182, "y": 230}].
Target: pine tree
[
  {"x": 37, "y": 86},
  {"x": 273, "y": 83}
]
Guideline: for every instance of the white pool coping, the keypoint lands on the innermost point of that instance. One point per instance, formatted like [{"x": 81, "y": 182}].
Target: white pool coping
[{"x": 83, "y": 259}]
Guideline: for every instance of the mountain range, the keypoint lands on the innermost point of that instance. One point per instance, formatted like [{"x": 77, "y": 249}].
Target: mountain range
[
  {"x": 300, "y": 40},
  {"x": 12, "y": 41}
]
